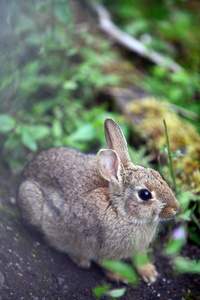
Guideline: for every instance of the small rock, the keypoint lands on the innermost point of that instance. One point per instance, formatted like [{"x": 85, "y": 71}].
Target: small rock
[
  {"x": 12, "y": 200},
  {"x": 60, "y": 280},
  {"x": 30, "y": 271},
  {"x": 65, "y": 287},
  {"x": 9, "y": 264},
  {"x": 169, "y": 281},
  {"x": 2, "y": 278}
]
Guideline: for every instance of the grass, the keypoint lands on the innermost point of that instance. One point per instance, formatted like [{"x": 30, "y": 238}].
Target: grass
[{"x": 170, "y": 158}]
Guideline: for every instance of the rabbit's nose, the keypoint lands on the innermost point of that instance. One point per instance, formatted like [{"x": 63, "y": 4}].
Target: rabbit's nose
[
  {"x": 176, "y": 207},
  {"x": 169, "y": 211}
]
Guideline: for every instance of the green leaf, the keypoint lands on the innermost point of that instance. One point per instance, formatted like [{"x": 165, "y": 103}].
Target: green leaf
[
  {"x": 116, "y": 292},
  {"x": 175, "y": 94},
  {"x": 12, "y": 142},
  {"x": 85, "y": 133},
  {"x": 194, "y": 236},
  {"x": 180, "y": 77},
  {"x": 57, "y": 129},
  {"x": 124, "y": 270},
  {"x": 99, "y": 291},
  {"x": 38, "y": 132},
  {"x": 174, "y": 246},
  {"x": 185, "y": 199},
  {"x": 7, "y": 123},
  {"x": 70, "y": 85},
  {"x": 184, "y": 265},
  {"x": 186, "y": 216},
  {"x": 62, "y": 11},
  {"x": 28, "y": 141},
  {"x": 140, "y": 259}
]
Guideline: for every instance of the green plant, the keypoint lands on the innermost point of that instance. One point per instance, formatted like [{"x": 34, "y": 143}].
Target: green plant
[
  {"x": 106, "y": 291},
  {"x": 190, "y": 211},
  {"x": 178, "y": 88},
  {"x": 49, "y": 82},
  {"x": 170, "y": 157},
  {"x": 170, "y": 27}
]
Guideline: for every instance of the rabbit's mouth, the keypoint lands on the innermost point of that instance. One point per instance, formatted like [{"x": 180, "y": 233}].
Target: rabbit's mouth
[{"x": 169, "y": 212}]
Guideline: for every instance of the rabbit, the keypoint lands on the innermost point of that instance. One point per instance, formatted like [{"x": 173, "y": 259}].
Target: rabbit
[{"x": 96, "y": 207}]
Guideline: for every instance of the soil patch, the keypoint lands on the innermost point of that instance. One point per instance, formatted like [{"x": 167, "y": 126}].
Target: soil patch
[{"x": 30, "y": 269}]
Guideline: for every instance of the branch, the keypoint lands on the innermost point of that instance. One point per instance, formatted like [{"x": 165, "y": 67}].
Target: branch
[{"x": 130, "y": 42}]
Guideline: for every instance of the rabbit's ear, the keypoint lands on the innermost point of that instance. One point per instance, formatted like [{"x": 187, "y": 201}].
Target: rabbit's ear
[
  {"x": 116, "y": 140},
  {"x": 108, "y": 164}
]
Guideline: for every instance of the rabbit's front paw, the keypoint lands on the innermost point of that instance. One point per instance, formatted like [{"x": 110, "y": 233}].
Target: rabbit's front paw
[{"x": 148, "y": 273}]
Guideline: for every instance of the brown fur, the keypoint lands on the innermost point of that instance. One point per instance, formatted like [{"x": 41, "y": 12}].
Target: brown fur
[{"x": 88, "y": 206}]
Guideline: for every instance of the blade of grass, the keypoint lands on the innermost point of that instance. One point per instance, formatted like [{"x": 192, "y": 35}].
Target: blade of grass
[
  {"x": 194, "y": 218},
  {"x": 170, "y": 157}
]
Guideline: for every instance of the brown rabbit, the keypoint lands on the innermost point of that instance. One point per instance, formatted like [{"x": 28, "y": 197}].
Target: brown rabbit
[{"x": 96, "y": 207}]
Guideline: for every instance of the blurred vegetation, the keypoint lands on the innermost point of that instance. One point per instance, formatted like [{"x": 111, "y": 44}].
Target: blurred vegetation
[
  {"x": 172, "y": 28},
  {"x": 49, "y": 80},
  {"x": 51, "y": 73}
]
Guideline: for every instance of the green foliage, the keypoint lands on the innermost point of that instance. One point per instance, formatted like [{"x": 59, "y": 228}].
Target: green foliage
[
  {"x": 189, "y": 215},
  {"x": 50, "y": 76},
  {"x": 124, "y": 270},
  {"x": 178, "y": 88},
  {"x": 170, "y": 157},
  {"x": 140, "y": 259},
  {"x": 172, "y": 28},
  {"x": 100, "y": 291},
  {"x": 7, "y": 123},
  {"x": 184, "y": 265},
  {"x": 105, "y": 291},
  {"x": 167, "y": 24},
  {"x": 175, "y": 245}
]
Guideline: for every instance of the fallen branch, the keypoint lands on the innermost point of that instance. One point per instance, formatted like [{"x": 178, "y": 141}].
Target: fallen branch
[
  {"x": 130, "y": 42},
  {"x": 183, "y": 111}
]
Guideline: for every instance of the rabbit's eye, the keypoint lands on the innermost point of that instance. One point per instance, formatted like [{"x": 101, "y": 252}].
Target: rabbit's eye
[{"x": 144, "y": 195}]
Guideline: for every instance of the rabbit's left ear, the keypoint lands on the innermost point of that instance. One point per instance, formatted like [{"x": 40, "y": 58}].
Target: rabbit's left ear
[
  {"x": 115, "y": 140},
  {"x": 108, "y": 164}
]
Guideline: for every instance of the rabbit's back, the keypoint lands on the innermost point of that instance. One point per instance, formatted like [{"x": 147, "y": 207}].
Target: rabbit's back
[{"x": 62, "y": 168}]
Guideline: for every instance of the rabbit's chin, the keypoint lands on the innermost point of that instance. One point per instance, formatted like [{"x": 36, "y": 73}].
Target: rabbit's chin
[{"x": 143, "y": 222}]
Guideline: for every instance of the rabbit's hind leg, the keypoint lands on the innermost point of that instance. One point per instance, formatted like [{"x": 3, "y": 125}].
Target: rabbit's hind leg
[
  {"x": 31, "y": 201},
  {"x": 80, "y": 261}
]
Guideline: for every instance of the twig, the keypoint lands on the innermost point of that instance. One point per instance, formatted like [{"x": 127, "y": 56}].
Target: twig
[
  {"x": 130, "y": 42},
  {"x": 183, "y": 111}
]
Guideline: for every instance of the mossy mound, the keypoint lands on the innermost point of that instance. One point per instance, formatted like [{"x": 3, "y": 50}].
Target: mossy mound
[{"x": 149, "y": 114}]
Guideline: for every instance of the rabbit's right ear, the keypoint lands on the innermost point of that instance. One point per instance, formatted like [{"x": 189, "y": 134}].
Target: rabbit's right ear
[
  {"x": 108, "y": 164},
  {"x": 116, "y": 140}
]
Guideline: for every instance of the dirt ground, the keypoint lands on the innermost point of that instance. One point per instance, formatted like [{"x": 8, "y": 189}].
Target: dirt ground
[{"x": 30, "y": 269}]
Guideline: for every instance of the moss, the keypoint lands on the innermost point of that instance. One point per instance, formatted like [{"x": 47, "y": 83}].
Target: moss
[
  {"x": 9, "y": 211},
  {"x": 149, "y": 114}
]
